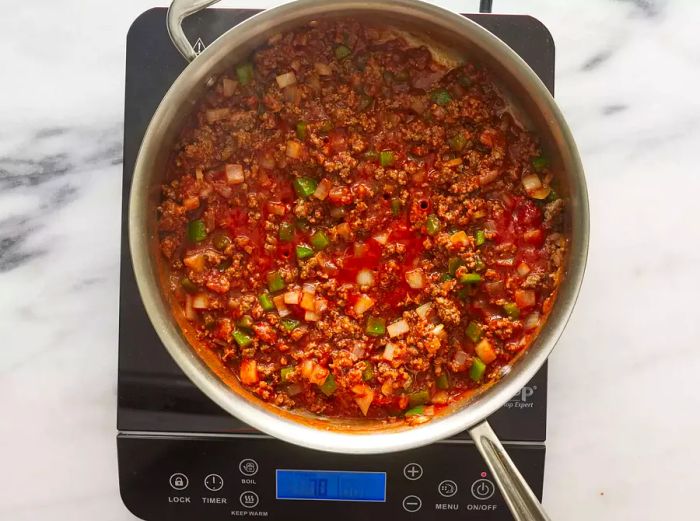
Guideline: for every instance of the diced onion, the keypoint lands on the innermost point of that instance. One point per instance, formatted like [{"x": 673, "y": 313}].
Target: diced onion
[
  {"x": 460, "y": 359},
  {"x": 309, "y": 287},
  {"x": 381, "y": 238},
  {"x": 282, "y": 309},
  {"x": 191, "y": 203},
  {"x": 359, "y": 249},
  {"x": 459, "y": 238},
  {"x": 525, "y": 298},
  {"x": 293, "y": 149},
  {"x": 397, "y": 328},
  {"x": 234, "y": 174},
  {"x": 429, "y": 410},
  {"x": 358, "y": 351},
  {"x": 190, "y": 313},
  {"x": 288, "y": 78},
  {"x": 249, "y": 372},
  {"x": 439, "y": 330},
  {"x": 423, "y": 310},
  {"x": 531, "y": 182},
  {"x": 323, "y": 189},
  {"x": 440, "y": 398},
  {"x": 308, "y": 302},
  {"x": 229, "y": 87},
  {"x": 323, "y": 69},
  {"x": 195, "y": 262},
  {"x": 365, "y": 277},
  {"x": 198, "y": 174},
  {"x": 532, "y": 320},
  {"x": 310, "y": 316},
  {"x": 318, "y": 375},
  {"x": 364, "y": 398},
  {"x": 307, "y": 368},
  {"x": 389, "y": 350},
  {"x": 320, "y": 305},
  {"x": 200, "y": 301},
  {"x": 215, "y": 115},
  {"x": 343, "y": 231},
  {"x": 294, "y": 389},
  {"x": 292, "y": 297},
  {"x": 523, "y": 269},
  {"x": 363, "y": 304},
  {"x": 415, "y": 278},
  {"x": 276, "y": 208},
  {"x": 484, "y": 350},
  {"x": 267, "y": 161},
  {"x": 494, "y": 288},
  {"x": 388, "y": 387}
]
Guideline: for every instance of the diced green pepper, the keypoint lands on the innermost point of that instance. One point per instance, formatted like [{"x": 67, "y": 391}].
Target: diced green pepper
[
  {"x": 479, "y": 263},
  {"x": 511, "y": 309},
  {"x": 376, "y": 326},
  {"x": 305, "y": 186},
  {"x": 464, "y": 80},
  {"x": 304, "y": 251},
  {"x": 302, "y": 225},
  {"x": 342, "y": 52},
  {"x": 458, "y": 142},
  {"x": 301, "y": 130},
  {"x": 319, "y": 240},
  {"x": 286, "y": 372},
  {"x": 368, "y": 372},
  {"x": 289, "y": 324},
  {"x": 480, "y": 237},
  {"x": 553, "y": 196},
  {"x": 474, "y": 331},
  {"x": 470, "y": 278},
  {"x": 328, "y": 387},
  {"x": 540, "y": 163},
  {"x": 224, "y": 265},
  {"x": 396, "y": 206},
  {"x": 242, "y": 338},
  {"x": 441, "y": 97},
  {"x": 266, "y": 302},
  {"x": 245, "y": 322},
  {"x": 244, "y": 73},
  {"x": 442, "y": 381},
  {"x": 196, "y": 231},
  {"x": 453, "y": 264},
  {"x": 275, "y": 282},
  {"x": 477, "y": 369},
  {"x": 386, "y": 158},
  {"x": 221, "y": 241},
  {"x": 415, "y": 411},
  {"x": 365, "y": 102},
  {"x": 432, "y": 224},
  {"x": 445, "y": 277},
  {"x": 188, "y": 285},
  {"x": 418, "y": 398},
  {"x": 286, "y": 232}
]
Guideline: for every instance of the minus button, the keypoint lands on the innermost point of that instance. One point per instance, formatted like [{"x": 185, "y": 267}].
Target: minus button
[{"x": 412, "y": 503}]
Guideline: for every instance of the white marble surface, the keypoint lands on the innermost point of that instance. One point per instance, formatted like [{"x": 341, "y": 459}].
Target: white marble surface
[{"x": 624, "y": 422}]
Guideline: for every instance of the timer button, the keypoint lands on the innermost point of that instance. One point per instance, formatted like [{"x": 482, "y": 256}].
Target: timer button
[
  {"x": 413, "y": 471},
  {"x": 214, "y": 482},
  {"x": 412, "y": 503},
  {"x": 483, "y": 489},
  {"x": 248, "y": 467},
  {"x": 249, "y": 499}
]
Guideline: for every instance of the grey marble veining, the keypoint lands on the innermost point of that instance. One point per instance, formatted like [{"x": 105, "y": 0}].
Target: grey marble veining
[{"x": 623, "y": 412}]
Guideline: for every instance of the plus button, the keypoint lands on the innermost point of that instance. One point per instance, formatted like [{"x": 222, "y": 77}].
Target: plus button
[{"x": 413, "y": 471}]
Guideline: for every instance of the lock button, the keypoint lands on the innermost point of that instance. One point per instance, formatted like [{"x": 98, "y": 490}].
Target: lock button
[{"x": 179, "y": 481}]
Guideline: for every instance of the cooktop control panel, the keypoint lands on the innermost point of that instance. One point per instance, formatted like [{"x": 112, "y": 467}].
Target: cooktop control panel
[{"x": 217, "y": 477}]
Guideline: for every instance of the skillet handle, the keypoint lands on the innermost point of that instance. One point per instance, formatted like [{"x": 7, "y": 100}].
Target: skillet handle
[
  {"x": 177, "y": 12},
  {"x": 521, "y": 500}
]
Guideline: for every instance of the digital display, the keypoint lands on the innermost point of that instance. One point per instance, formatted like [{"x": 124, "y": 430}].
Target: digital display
[{"x": 331, "y": 485}]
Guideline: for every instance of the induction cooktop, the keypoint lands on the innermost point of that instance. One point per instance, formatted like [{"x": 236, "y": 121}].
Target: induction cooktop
[{"x": 181, "y": 457}]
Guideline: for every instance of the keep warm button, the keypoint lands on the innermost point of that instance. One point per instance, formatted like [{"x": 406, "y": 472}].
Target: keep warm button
[{"x": 483, "y": 489}]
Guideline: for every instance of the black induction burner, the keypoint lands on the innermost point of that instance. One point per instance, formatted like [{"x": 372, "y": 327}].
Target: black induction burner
[{"x": 182, "y": 457}]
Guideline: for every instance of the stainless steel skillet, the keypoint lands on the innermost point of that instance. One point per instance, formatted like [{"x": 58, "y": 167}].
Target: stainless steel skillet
[{"x": 446, "y": 34}]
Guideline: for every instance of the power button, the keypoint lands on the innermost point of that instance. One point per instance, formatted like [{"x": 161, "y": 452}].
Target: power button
[{"x": 482, "y": 489}]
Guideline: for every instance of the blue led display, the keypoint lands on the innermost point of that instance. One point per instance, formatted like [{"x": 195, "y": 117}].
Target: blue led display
[{"x": 331, "y": 485}]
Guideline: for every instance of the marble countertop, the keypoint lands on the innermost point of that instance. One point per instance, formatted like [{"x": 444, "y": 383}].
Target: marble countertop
[{"x": 623, "y": 408}]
